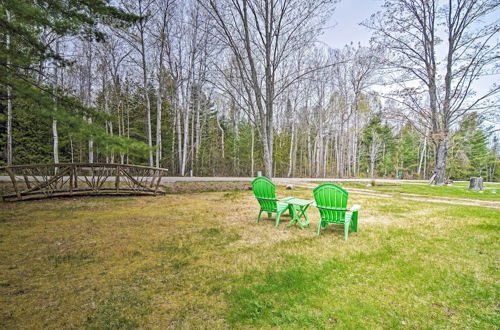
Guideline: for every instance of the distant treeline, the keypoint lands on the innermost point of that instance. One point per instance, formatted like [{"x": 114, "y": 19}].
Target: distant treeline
[{"x": 226, "y": 87}]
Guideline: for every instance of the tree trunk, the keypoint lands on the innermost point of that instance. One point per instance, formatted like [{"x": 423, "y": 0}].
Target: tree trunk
[
  {"x": 192, "y": 147},
  {"x": 91, "y": 145},
  {"x": 441, "y": 153},
  {"x": 9, "y": 127},
  {"x": 422, "y": 155},
  {"x": 159, "y": 102},
  {"x": 88, "y": 96},
  {"x": 55, "y": 137},
  {"x": 252, "y": 153},
  {"x": 179, "y": 137},
  {"x": 146, "y": 95},
  {"x": 268, "y": 157},
  {"x": 309, "y": 154},
  {"x": 290, "y": 156},
  {"x": 325, "y": 158},
  {"x": 112, "y": 155},
  {"x": 197, "y": 133},
  {"x": 9, "y": 103},
  {"x": 172, "y": 159},
  {"x": 71, "y": 149},
  {"x": 55, "y": 134},
  {"x": 476, "y": 183},
  {"x": 148, "y": 126},
  {"x": 223, "y": 146}
]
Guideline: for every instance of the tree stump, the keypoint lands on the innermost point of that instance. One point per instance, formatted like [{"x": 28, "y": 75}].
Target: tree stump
[{"x": 476, "y": 183}]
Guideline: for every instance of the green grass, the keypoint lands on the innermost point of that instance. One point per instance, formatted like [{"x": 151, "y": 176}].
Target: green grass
[
  {"x": 201, "y": 261},
  {"x": 458, "y": 190}
]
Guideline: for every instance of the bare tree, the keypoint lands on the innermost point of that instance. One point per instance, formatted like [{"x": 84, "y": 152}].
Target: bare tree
[
  {"x": 113, "y": 54},
  {"x": 55, "y": 135},
  {"x": 9, "y": 101},
  {"x": 187, "y": 64},
  {"x": 162, "y": 37},
  {"x": 411, "y": 31},
  {"x": 136, "y": 36},
  {"x": 262, "y": 35}
]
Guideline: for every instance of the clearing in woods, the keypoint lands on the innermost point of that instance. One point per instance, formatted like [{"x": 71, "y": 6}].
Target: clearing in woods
[{"x": 199, "y": 260}]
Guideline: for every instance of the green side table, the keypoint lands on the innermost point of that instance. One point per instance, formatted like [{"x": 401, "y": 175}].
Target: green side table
[{"x": 298, "y": 208}]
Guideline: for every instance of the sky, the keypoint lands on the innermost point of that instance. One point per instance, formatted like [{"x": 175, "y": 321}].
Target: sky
[{"x": 343, "y": 26}]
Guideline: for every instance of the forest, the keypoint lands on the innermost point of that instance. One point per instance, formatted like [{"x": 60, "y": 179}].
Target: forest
[{"x": 229, "y": 88}]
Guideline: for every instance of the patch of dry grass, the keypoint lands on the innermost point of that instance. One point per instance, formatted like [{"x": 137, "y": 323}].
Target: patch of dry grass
[{"x": 200, "y": 260}]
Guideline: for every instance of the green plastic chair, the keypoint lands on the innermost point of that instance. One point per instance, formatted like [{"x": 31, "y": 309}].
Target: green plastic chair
[
  {"x": 331, "y": 200},
  {"x": 265, "y": 192}
]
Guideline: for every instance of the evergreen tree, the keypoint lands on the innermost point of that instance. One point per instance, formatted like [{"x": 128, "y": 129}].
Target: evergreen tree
[
  {"x": 377, "y": 145},
  {"x": 470, "y": 150},
  {"x": 30, "y": 34}
]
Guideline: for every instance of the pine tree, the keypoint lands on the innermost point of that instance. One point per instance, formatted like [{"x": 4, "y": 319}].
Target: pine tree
[{"x": 30, "y": 30}]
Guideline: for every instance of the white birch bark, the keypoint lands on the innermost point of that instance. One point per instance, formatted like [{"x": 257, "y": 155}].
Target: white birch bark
[
  {"x": 55, "y": 135},
  {"x": 9, "y": 102}
]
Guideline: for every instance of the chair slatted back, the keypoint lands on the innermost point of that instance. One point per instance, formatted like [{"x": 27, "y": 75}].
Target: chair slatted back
[
  {"x": 331, "y": 200},
  {"x": 265, "y": 192}
]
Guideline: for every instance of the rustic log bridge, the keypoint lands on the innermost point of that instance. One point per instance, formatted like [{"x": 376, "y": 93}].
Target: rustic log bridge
[{"x": 79, "y": 179}]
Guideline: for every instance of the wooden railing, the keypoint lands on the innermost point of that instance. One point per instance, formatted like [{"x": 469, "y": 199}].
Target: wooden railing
[{"x": 76, "y": 179}]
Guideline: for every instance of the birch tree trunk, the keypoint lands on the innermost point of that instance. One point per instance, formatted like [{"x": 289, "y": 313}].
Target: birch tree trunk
[
  {"x": 91, "y": 144},
  {"x": 88, "y": 95},
  {"x": 55, "y": 135},
  {"x": 159, "y": 102},
  {"x": 185, "y": 143},
  {"x": 252, "y": 153},
  {"x": 9, "y": 126},
  {"x": 146, "y": 97},
  {"x": 178, "y": 129},
  {"x": 422, "y": 155},
  {"x": 9, "y": 102},
  {"x": 197, "y": 134},
  {"x": 290, "y": 156},
  {"x": 223, "y": 147}
]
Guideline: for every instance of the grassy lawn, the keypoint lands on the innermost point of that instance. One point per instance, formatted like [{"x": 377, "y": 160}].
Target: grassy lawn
[
  {"x": 458, "y": 190},
  {"x": 200, "y": 261}
]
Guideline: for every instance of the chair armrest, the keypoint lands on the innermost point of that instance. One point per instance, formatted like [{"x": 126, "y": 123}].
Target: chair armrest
[{"x": 355, "y": 208}]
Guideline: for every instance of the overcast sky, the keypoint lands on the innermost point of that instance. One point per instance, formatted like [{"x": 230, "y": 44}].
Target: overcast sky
[{"x": 343, "y": 27}]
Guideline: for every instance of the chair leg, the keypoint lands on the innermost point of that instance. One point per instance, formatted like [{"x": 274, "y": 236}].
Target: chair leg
[
  {"x": 278, "y": 214},
  {"x": 354, "y": 222},
  {"x": 258, "y": 218},
  {"x": 319, "y": 227},
  {"x": 346, "y": 230},
  {"x": 269, "y": 214}
]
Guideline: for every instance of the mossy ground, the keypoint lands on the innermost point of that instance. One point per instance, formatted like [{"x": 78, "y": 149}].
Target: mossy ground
[{"x": 200, "y": 261}]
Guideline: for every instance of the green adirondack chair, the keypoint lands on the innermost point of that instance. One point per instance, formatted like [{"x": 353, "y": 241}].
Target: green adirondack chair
[
  {"x": 265, "y": 192},
  {"x": 331, "y": 200}
]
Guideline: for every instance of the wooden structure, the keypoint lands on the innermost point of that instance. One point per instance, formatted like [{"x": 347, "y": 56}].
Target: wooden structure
[{"x": 77, "y": 179}]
